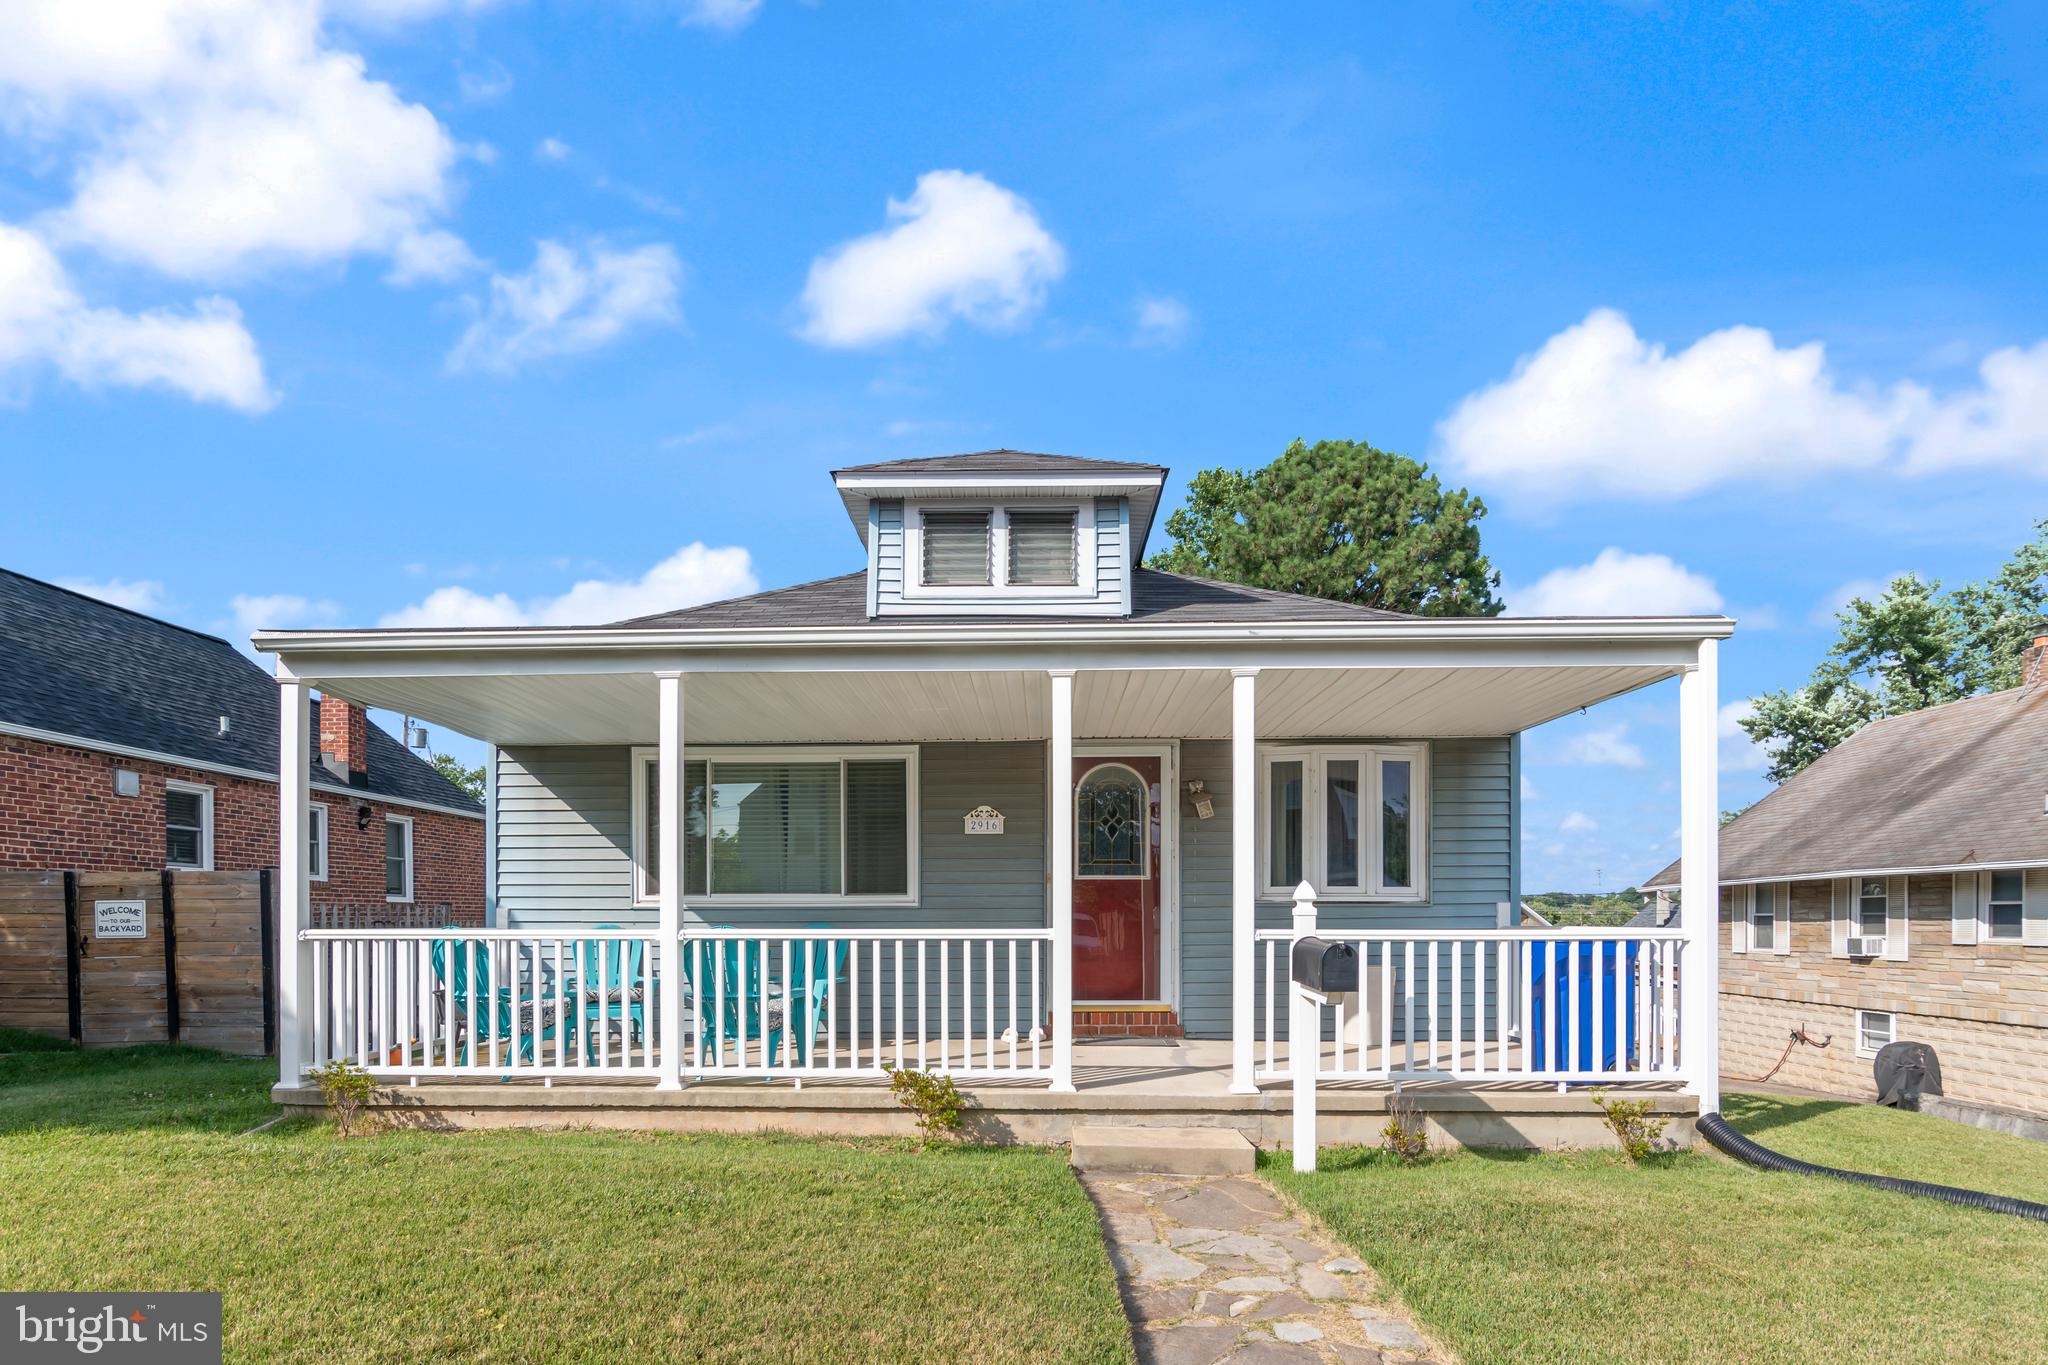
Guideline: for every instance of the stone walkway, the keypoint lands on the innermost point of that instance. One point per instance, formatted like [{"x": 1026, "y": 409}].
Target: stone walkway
[{"x": 1217, "y": 1269}]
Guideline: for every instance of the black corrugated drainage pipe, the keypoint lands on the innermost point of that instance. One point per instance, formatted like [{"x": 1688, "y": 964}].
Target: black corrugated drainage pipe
[{"x": 1716, "y": 1130}]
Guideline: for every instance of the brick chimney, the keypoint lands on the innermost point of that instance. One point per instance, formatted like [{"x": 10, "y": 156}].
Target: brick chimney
[
  {"x": 344, "y": 739},
  {"x": 2034, "y": 663}
]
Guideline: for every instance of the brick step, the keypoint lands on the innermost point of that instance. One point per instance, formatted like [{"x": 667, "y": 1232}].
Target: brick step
[{"x": 1126, "y": 1023}]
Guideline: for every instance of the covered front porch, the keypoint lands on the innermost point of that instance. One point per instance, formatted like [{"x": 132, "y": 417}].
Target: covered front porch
[{"x": 602, "y": 985}]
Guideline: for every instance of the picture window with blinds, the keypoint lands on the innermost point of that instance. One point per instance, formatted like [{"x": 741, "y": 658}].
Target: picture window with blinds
[{"x": 783, "y": 826}]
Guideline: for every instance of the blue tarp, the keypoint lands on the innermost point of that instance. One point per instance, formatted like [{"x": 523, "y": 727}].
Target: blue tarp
[{"x": 1551, "y": 969}]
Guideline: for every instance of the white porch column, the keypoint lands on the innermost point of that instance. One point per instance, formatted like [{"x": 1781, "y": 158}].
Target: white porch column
[
  {"x": 670, "y": 800},
  {"x": 1062, "y": 806},
  {"x": 1244, "y": 872},
  {"x": 1700, "y": 876},
  {"x": 294, "y": 887}
]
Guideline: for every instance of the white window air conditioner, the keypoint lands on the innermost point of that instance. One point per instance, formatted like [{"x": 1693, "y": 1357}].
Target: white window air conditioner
[{"x": 1863, "y": 946}]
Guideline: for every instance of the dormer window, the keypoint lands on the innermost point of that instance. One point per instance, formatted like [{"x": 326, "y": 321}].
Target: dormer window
[
  {"x": 956, "y": 549},
  {"x": 1042, "y": 548}
]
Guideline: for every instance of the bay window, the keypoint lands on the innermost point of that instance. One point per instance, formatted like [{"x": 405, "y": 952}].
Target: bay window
[
  {"x": 776, "y": 826},
  {"x": 1348, "y": 819}
]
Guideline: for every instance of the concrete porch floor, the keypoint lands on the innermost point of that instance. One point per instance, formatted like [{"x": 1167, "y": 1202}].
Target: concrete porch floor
[{"x": 1177, "y": 1084}]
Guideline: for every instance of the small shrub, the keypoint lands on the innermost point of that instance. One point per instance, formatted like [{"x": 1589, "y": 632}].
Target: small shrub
[
  {"x": 1406, "y": 1135},
  {"x": 937, "y": 1102},
  {"x": 346, "y": 1088},
  {"x": 1631, "y": 1123}
]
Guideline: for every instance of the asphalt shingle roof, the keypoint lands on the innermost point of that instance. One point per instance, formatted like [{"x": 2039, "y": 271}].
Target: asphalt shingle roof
[
  {"x": 1155, "y": 596},
  {"x": 1003, "y": 462},
  {"x": 74, "y": 665},
  {"x": 1950, "y": 786}
]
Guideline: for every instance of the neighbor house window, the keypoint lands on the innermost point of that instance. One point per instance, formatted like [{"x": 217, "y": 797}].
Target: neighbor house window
[
  {"x": 956, "y": 549},
  {"x": 397, "y": 858},
  {"x": 1763, "y": 918},
  {"x": 2005, "y": 912},
  {"x": 316, "y": 842},
  {"x": 778, "y": 825},
  {"x": 1042, "y": 548},
  {"x": 1348, "y": 819},
  {"x": 188, "y": 825},
  {"x": 1871, "y": 907},
  {"x": 1873, "y": 1031}
]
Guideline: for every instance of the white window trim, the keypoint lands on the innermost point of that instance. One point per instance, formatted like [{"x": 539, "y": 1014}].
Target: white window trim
[
  {"x": 406, "y": 821},
  {"x": 1780, "y": 916},
  {"x": 1313, "y": 759},
  {"x": 1856, "y": 898},
  {"x": 1144, "y": 825},
  {"x": 1985, "y": 881},
  {"x": 317, "y": 811},
  {"x": 1892, "y": 1030},
  {"x": 1082, "y": 589},
  {"x": 642, "y": 756},
  {"x": 205, "y": 795}
]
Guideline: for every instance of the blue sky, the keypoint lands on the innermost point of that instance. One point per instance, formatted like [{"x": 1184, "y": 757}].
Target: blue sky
[{"x": 384, "y": 310}]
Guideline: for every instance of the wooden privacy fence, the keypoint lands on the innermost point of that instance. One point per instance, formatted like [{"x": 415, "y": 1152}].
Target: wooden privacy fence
[{"x": 107, "y": 958}]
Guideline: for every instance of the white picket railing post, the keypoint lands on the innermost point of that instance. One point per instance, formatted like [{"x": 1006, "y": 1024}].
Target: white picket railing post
[
  {"x": 1062, "y": 882},
  {"x": 1304, "y": 1037}
]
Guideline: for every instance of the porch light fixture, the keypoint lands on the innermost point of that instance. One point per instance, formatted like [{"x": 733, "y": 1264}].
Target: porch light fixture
[
  {"x": 127, "y": 782},
  {"x": 1204, "y": 806},
  {"x": 362, "y": 817}
]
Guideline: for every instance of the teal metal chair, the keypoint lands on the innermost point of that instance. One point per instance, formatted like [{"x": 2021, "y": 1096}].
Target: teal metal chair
[
  {"x": 616, "y": 964},
  {"x": 471, "y": 982}
]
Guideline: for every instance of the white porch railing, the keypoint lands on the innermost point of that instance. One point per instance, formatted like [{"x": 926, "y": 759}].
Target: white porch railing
[
  {"x": 1488, "y": 1005},
  {"x": 409, "y": 1003}
]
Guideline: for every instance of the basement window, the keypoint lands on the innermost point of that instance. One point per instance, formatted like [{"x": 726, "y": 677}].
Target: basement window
[{"x": 1873, "y": 1030}]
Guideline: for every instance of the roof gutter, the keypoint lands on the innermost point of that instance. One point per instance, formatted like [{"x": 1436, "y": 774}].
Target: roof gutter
[
  {"x": 1929, "y": 870},
  {"x": 1434, "y": 630}
]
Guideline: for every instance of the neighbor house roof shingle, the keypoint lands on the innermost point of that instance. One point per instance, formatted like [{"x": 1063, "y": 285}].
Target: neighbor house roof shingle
[
  {"x": 74, "y": 665},
  {"x": 1155, "y": 596},
  {"x": 1958, "y": 785}
]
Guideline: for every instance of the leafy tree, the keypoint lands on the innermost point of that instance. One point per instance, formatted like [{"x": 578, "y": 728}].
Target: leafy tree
[
  {"x": 1340, "y": 520},
  {"x": 1914, "y": 647},
  {"x": 469, "y": 779}
]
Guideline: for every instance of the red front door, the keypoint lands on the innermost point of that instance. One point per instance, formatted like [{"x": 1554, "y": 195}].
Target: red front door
[{"x": 1116, "y": 879}]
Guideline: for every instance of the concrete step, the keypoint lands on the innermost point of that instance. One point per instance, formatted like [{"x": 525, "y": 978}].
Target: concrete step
[{"x": 1162, "y": 1151}]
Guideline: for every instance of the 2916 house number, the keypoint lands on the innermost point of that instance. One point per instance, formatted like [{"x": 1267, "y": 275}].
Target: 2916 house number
[{"x": 984, "y": 820}]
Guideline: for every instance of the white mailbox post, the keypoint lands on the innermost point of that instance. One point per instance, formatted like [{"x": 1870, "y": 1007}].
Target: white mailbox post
[{"x": 1306, "y": 1002}]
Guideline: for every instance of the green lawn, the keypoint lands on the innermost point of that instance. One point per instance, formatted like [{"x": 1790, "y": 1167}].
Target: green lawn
[
  {"x": 1515, "y": 1256},
  {"x": 125, "y": 1169}
]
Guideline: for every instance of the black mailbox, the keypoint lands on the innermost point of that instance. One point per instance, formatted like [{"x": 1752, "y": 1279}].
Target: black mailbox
[{"x": 1325, "y": 966}]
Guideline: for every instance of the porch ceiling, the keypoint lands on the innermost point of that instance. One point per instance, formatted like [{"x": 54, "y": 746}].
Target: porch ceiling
[{"x": 933, "y": 705}]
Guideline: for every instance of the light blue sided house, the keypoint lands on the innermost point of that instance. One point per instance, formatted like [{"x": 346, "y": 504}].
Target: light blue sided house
[{"x": 996, "y": 797}]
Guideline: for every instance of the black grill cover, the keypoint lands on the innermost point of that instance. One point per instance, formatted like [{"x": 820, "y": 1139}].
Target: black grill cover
[{"x": 1905, "y": 1072}]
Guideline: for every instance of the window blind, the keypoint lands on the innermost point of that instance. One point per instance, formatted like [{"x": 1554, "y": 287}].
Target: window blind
[
  {"x": 877, "y": 828},
  {"x": 1042, "y": 548},
  {"x": 693, "y": 828},
  {"x": 184, "y": 818},
  {"x": 956, "y": 548},
  {"x": 775, "y": 829}
]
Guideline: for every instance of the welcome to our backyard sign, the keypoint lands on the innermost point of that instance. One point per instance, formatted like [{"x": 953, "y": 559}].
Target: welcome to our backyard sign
[{"x": 120, "y": 919}]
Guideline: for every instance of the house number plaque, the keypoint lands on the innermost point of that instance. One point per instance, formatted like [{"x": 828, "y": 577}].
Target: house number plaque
[{"x": 984, "y": 820}]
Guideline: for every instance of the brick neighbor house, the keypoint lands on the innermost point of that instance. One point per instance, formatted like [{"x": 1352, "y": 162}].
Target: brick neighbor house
[
  {"x": 129, "y": 743},
  {"x": 1898, "y": 889}
]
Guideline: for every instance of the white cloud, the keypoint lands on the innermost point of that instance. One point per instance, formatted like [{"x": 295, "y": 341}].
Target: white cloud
[
  {"x": 1738, "y": 752},
  {"x": 215, "y": 136},
  {"x": 280, "y": 611},
  {"x": 1529, "y": 792},
  {"x": 1162, "y": 321},
  {"x": 142, "y": 594},
  {"x": 960, "y": 247},
  {"x": 571, "y": 301},
  {"x": 485, "y": 82},
  {"x": 1609, "y": 747},
  {"x": 431, "y": 255},
  {"x": 692, "y": 575},
  {"x": 1618, "y": 583},
  {"x": 206, "y": 354},
  {"x": 1598, "y": 410},
  {"x": 1578, "y": 822},
  {"x": 721, "y": 14},
  {"x": 551, "y": 149}
]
